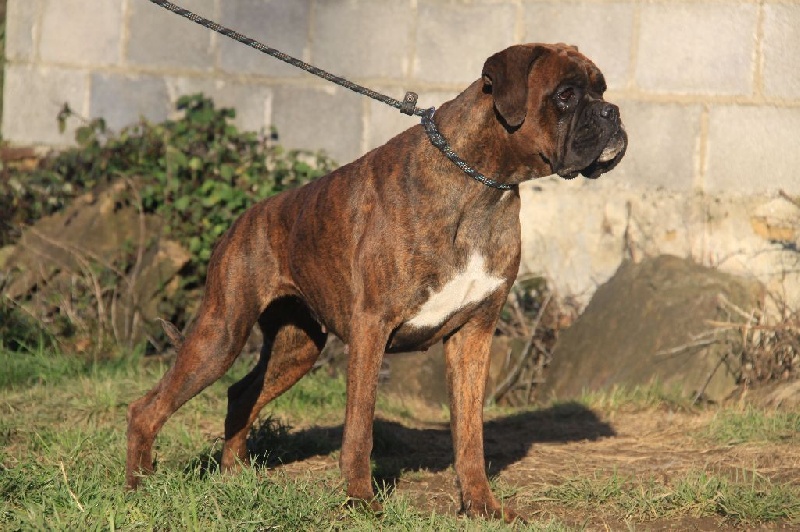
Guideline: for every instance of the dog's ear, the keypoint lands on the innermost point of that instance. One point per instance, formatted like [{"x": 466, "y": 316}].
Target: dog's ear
[{"x": 506, "y": 72}]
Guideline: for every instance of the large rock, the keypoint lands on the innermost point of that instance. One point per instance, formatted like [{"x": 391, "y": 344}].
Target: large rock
[
  {"x": 422, "y": 375},
  {"x": 640, "y": 325},
  {"x": 100, "y": 265}
]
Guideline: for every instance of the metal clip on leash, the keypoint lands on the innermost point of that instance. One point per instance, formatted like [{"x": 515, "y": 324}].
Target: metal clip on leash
[{"x": 409, "y": 103}]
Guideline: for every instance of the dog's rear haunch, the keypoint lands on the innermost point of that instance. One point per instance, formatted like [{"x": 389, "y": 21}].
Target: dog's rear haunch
[{"x": 393, "y": 252}]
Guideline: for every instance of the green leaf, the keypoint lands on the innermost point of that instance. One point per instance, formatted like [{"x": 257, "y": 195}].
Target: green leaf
[
  {"x": 195, "y": 244},
  {"x": 183, "y": 203},
  {"x": 62, "y": 117},
  {"x": 84, "y": 135},
  {"x": 176, "y": 159},
  {"x": 226, "y": 171}
]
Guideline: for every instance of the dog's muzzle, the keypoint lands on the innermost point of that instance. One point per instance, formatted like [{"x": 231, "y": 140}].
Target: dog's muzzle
[{"x": 596, "y": 143}]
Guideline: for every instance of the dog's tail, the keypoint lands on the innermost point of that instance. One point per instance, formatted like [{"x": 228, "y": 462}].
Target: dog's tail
[{"x": 173, "y": 334}]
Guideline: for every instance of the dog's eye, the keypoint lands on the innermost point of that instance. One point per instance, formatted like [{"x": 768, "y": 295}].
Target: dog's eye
[{"x": 566, "y": 94}]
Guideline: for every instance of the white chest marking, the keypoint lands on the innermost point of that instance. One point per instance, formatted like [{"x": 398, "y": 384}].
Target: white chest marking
[{"x": 470, "y": 285}]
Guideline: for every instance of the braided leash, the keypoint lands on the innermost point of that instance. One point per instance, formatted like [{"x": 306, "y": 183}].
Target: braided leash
[
  {"x": 407, "y": 106},
  {"x": 438, "y": 140}
]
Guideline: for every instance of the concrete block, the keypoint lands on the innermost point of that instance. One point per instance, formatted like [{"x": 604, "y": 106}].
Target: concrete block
[
  {"x": 454, "y": 39},
  {"x": 159, "y": 38},
  {"x": 122, "y": 100},
  {"x": 602, "y": 32},
  {"x": 781, "y": 42},
  {"x": 23, "y": 25},
  {"x": 661, "y": 147},
  {"x": 280, "y": 24},
  {"x": 385, "y": 122},
  {"x": 85, "y": 32},
  {"x": 362, "y": 38},
  {"x": 697, "y": 47},
  {"x": 328, "y": 118},
  {"x": 33, "y": 96},
  {"x": 253, "y": 103},
  {"x": 753, "y": 149}
]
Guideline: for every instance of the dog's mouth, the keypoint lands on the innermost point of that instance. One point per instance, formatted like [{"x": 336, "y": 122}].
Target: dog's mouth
[
  {"x": 568, "y": 174},
  {"x": 608, "y": 157},
  {"x": 613, "y": 148}
]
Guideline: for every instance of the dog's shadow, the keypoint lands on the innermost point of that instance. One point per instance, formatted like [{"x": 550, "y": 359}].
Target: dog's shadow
[{"x": 399, "y": 449}]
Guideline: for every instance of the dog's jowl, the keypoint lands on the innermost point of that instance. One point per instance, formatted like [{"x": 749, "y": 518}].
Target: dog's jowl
[{"x": 395, "y": 251}]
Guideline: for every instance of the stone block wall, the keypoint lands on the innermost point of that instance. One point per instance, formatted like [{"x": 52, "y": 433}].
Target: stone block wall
[{"x": 710, "y": 90}]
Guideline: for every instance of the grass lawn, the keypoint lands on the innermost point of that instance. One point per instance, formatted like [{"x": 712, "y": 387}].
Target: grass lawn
[{"x": 637, "y": 460}]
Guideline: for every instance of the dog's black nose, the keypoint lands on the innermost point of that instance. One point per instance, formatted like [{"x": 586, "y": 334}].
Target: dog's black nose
[{"x": 609, "y": 111}]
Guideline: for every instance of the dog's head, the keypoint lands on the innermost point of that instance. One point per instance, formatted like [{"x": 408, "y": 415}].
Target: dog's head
[{"x": 549, "y": 98}]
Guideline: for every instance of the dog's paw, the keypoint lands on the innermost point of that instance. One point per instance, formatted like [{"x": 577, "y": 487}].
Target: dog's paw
[
  {"x": 491, "y": 510},
  {"x": 234, "y": 460},
  {"x": 510, "y": 516},
  {"x": 132, "y": 482},
  {"x": 134, "y": 477},
  {"x": 363, "y": 505}
]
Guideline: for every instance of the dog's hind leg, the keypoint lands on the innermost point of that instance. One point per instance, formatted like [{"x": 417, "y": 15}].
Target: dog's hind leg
[
  {"x": 293, "y": 341},
  {"x": 222, "y": 328}
]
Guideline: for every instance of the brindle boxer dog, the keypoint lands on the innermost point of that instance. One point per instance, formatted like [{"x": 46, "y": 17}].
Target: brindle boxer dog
[{"x": 393, "y": 252}]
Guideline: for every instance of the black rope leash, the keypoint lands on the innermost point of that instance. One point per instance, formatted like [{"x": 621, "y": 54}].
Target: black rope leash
[{"x": 407, "y": 106}]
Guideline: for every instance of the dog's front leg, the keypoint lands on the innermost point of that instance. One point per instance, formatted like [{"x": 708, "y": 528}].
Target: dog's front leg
[
  {"x": 367, "y": 344},
  {"x": 467, "y": 355}
]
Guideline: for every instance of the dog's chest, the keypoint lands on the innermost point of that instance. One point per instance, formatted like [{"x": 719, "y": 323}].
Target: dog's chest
[{"x": 471, "y": 284}]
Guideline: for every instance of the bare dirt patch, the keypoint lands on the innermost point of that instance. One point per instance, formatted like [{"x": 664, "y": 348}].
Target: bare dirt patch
[{"x": 528, "y": 453}]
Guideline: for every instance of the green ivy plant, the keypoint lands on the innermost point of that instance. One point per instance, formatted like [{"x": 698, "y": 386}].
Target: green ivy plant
[
  {"x": 210, "y": 173},
  {"x": 198, "y": 172}
]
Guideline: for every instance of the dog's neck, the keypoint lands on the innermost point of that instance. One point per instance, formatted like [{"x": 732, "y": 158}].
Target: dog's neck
[{"x": 470, "y": 125}]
